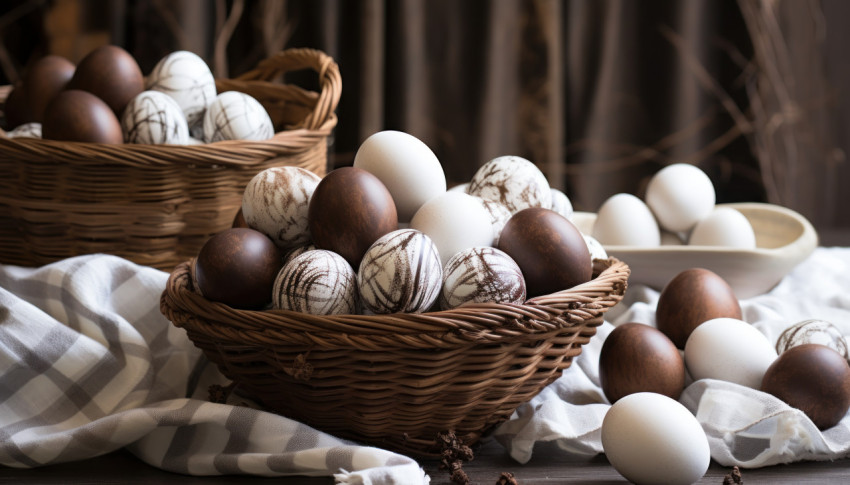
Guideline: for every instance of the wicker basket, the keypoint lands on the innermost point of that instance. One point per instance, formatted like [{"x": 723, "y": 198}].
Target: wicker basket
[
  {"x": 395, "y": 381},
  {"x": 156, "y": 204}
]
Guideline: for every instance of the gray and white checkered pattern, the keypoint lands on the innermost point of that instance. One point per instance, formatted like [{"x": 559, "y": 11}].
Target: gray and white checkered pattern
[{"x": 88, "y": 365}]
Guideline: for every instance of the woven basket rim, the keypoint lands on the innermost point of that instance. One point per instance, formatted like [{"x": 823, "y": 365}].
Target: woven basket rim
[
  {"x": 548, "y": 314},
  {"x": 316, "y": 126}
]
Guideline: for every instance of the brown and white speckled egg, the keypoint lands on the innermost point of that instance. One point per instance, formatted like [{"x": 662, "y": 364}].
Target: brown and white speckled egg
[
  {"x": 813, "y": 331},
  {"x": 481, "y": 275},
  {"x": 512, "y": 181},
  {"x": 597, "y": 251},
  {"x": 318, "y": 282},
  {"x": 236, "y": 116},
  {"x": 276, "y": 202},
  {"x": 185, "y": 77},
  {"x": 400, "y": 273},
  {"x": 26, "y": 130},
  {"x": 154, "y": 118}
]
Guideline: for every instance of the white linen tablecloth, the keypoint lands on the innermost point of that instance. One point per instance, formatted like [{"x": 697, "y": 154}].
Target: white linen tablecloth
[{"x": 88, "y": 365}]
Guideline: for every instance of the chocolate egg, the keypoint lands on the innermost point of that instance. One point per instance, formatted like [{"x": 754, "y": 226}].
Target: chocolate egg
[
  {"x": 110, "y": 73},
  {"x": 238, "y": 267},
  {"x": 639, "y": 358},
  {"x": 814, "y": 379},
  {"x": 44, "y": 79},
  {"x": 76, "y": 115},
  {"x": 691, "y": 298},
  {"x": 349, "y": 210},
  {"x": 549, "y": 250}
]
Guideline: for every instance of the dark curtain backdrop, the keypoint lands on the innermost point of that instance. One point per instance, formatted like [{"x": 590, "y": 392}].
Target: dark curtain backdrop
[{"x": 599, "y": 93}]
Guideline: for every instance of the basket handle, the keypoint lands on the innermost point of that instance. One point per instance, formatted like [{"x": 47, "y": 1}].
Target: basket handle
[{"x": 296, "y": 59}]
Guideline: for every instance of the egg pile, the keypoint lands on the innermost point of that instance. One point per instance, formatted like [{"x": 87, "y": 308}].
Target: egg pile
[
  {"x": 386, "y": 236},
  {"x": 679, "y": 208},
  {"x": 106, "y": 99},
  {"x": 700, "y": 334}
]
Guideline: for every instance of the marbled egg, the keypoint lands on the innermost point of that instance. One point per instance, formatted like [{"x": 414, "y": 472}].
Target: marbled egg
[
  {"x": 297, "y": 251},
  {"x": 813, "y": 331},
  {"x": 276, "y": 202},
  {"x": 561, "y": 203},
  {"x": 400, "y": 273},
  {"x": 454, "y": 221},
  {"x": 236, "y": 116},
  {"x": 481, "y": 275},
  {"x": 26, "y": 130},
  {"x": 512, "y": 181},
  {"x": 597, "y": 251},
  {"x": 185, "y": 77},
  {"x": 499, "y": 215},
  {"x": 154, "y": 118},
  {"x": 317, "y": 282}
]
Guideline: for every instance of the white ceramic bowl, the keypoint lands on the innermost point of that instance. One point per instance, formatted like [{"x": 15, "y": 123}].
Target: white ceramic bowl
[{"x": 784, "y": 238}]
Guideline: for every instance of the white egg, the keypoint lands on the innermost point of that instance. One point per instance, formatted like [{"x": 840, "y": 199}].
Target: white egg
[
  {"x": 725, "y": 227},
  {"x": 650, "y": 438},
  {"x": 512, "y": 181},
  {"x": 236, "y": 116},
  {"x": 454, "y": 221},
  {"x": 624, "y": 220},
  {"x": 499, "y": 215},
  {"x": 186, "y": 78},
  {"x": 730, "y": 350},
  {"x": 401, "y": 272},
  {"x": 680, "y": 195},
  {"x": 276, "y": 202},
  {"x": 154, "y": 118},
  {"x": 481, "y": 275},
  {"x": 460, "y": 187},
  {"x": 406, "y": 166},
  {"x": 561, "y": 204},
  {"x": 26, "y": 130},
  {"x": 318, "y": 282}
]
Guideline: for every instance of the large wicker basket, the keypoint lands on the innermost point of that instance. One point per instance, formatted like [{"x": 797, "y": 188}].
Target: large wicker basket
[
  {"x": 396, "y": 381},
  {"x": 157, "y": 204}
]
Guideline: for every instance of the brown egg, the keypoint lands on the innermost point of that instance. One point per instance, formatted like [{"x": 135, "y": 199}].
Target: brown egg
[
  {"x": 15, "y": 109},
  {"x": 44, "y": 79},
  {"x": 349, "y": 210},
  {"x": 76, "y": 115},
  {"x": 110, "y": 73},
  {"x": 638, "y": 358},
  {"x": 814, "y": 379},
  {"x": 691, "y": 298},
  {"x": 238, "y": 267},
  {"x": 548, "y": 249}
]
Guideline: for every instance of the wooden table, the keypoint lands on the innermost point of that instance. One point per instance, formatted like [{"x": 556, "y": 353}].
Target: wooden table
[{"x": 548, "y": 466}]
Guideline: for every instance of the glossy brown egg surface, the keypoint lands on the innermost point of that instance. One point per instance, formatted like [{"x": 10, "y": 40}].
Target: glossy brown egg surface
[
  {"x": 639, "y": 358},
  {"x": 814, "y": 379},
  {"x": 691, "y": 298},
  {"x": 44, "y": 79},
  {"x": 110, "y": 73},
  {"x": 549, "y": 250},
  {"x": 76, "y": 115},
  {"x": 349, "y": 210},
  {"x": 238, "y": 267}
]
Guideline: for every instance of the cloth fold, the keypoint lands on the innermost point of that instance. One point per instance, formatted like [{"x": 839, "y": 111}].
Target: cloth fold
[
  {"x": 745, "y": 427},
  {"x": 88, "y": 365}
]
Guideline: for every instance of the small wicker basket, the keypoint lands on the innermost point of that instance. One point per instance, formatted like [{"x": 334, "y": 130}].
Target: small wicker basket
[
  {"x": 396, "y": 381},
  {"x": 157, "y": 204}
]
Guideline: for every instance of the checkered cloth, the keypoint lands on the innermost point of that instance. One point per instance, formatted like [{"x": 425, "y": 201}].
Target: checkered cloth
[
  {"x": 89, "y": 365},
  {"x": 744, "y": 426}
]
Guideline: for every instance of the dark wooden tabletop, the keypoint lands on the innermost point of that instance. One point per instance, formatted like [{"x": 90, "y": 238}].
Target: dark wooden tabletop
[{"x": 548, "y": 466}]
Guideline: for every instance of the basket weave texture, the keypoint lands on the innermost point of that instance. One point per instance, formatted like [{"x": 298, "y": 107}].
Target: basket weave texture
[
  {"x": 157, "y": 204},
  {"x": 396, "y": 381}
]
